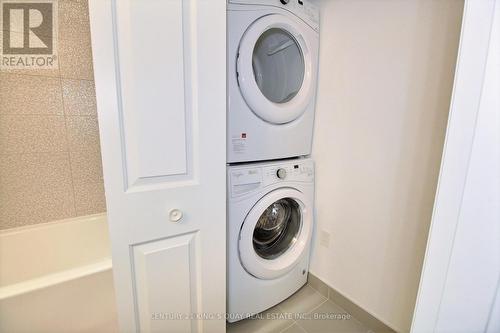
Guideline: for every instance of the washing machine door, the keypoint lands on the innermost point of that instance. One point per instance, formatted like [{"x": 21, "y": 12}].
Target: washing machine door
[
  {"x": 274, "y": 66},
  {"x": 276, "y": 233}
]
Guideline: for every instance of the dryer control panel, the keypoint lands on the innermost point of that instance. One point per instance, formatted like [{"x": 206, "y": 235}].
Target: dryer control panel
[
  {"x": 245, "y": 179},
  {"x": 307, "y": 10}
]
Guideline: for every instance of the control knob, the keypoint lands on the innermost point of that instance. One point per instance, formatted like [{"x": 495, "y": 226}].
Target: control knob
[{"x": 281, "y": 173}]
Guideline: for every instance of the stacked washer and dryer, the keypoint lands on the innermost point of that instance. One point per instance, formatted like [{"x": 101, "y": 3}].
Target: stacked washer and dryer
[{"x": 272, "y": 76}]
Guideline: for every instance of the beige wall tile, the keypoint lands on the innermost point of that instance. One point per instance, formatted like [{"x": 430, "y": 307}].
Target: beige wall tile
[
  {"x": 53, "y": 72},
  {"x": 75, "y": 58},
  {"x": 35, "y": 188},
  {"x": 30, "y": 134},
  {"x": 73, "y": 19},
  {"x": 49, "y": 139},
  {"x": 83, "y": 133},
  {"x": 89, "y": 199},
  {"x": 86, "y": 167},
  {"x": 27, "y": 94},
  {"x": 79, "y": 97}
]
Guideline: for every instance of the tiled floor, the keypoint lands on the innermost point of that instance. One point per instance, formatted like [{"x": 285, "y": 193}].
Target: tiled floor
[{"x": 307, "y": 311}]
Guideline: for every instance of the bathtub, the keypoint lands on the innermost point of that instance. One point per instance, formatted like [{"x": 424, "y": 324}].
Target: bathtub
[{"x": 56, "y": 277}]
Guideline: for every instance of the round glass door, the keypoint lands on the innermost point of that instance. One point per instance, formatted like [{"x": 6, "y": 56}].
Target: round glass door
[
  {"x": 277, "y": 228},
  {"x": 275, "y": 69},
  {"x": 275, "y": 234},
  {"x": 278, "y": 65}
]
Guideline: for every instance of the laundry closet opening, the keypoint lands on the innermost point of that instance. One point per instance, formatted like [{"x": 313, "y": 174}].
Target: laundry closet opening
[{"x": 386, "y": 75}]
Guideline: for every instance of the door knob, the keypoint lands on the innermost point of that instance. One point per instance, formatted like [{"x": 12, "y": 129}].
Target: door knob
[{"x": 175, "y": 215}]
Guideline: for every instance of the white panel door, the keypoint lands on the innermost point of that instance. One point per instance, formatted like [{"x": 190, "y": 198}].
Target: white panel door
[
  {"x": 461, "y": 270},
  {"x": 160, "y": 74}
]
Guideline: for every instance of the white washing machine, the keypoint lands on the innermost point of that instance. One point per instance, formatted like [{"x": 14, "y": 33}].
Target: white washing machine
[
  {"x": 272, "y": 77},
  {"x": 270, "y": 222}
]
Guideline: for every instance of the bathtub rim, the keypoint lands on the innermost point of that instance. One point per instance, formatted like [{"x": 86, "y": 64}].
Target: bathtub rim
[{"x": 52, "y": 278}]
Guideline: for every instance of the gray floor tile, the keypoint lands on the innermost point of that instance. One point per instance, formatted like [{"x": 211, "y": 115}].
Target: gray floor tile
[
  {"x": 295, "y": 328},
  {"x": 331, "y": 318},
  {"x": 270, "y": 321},
  {"x": 303, "y": 301},
  {"x": 318, "y": 285},
  {"x": 359, "y": 313}
]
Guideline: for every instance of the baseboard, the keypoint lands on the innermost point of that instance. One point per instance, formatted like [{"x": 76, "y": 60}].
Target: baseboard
[{"x": 353, "y": 309}]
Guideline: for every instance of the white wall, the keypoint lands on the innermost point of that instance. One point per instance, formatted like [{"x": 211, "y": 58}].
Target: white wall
[{"x": 386, "y": 73}]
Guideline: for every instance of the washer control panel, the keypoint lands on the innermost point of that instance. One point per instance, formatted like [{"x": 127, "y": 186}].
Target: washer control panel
[{"x": 245, "y": 179}]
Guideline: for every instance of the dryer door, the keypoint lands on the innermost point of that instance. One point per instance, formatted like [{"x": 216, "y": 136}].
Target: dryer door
[
  {"x": 275, "y": 71},
  {"x": 276, "y": 233}
]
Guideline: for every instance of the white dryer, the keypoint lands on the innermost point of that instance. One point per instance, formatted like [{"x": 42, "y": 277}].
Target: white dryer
[
  {"x": 270, "y": 222},
  {"x": 272, "y": 77}
]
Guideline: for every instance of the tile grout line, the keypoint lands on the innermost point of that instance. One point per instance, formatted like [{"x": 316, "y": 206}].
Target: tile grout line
[
  {"x": 293, "y": 323},
  {"x": 328, "y": 291},
  {"x": 302, "y": 328},
  {"x": 316, "y": 307},
  {"x": 55, "y": 76},
  {"x": 46, "y": 115},
  {"x": 331, "y": 300},
  {"x": 294, "y": 320},
  {"x": 61, "y": 78},
  {"x": 47, "y": 152},
  {"x": 67, "y": 144}
]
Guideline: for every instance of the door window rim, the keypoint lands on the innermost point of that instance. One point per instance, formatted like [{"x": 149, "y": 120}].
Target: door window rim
[
  {"x": 269, "y": 269},
  {"x": 261, "y": 106}
]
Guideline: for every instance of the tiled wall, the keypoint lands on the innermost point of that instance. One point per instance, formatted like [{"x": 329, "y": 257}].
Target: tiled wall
[{"x": 50, "y": 162}]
